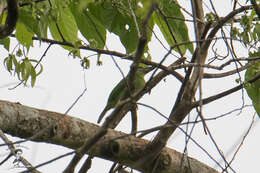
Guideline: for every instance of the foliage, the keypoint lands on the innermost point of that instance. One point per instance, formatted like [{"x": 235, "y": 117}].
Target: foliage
[
  {"x": 22, "y": 68},
  {"x": 78, "y": 25},
  {"x": 93, "y": 19},
  {"x": 253, "y": 89},
  {"x": 250, "y": 34}
]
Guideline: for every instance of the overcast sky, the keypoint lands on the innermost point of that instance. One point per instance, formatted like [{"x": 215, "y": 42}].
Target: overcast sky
[{"x": 63, "y": 80}]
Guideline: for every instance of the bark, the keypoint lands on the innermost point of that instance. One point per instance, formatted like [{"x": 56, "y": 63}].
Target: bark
[
  {"x": 27, "y": 122},
  {"x": 11, "y": 19}
]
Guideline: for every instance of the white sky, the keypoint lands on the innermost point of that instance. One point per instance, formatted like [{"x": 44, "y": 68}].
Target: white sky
[{"x": 63, "y": 81}]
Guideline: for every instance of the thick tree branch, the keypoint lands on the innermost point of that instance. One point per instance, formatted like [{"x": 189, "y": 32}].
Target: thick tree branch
[
  {"x": 198, "y": 18},
  {"x": 182, "y": 104},
  {"x": 12, "y": 17},
  {"x": 24, "y": 122}
]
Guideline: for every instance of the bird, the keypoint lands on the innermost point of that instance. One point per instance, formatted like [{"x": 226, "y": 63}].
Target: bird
[{"x": 120, "y": 90}]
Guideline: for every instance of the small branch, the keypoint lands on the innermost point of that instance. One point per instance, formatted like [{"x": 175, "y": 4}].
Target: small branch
[
  {"x": 134, "y": 17},
  {"x": 82, "y": 150},
  {"x": 228, "y": 73},
  {"x": 129, "y": 57},
  {"x": 140, "y": 48},
  {"x": 86, "y": 165},
  {"x": 13, "y": 152},
  {"x": 134, "y": 118},
  {"x": 218, "y": 96},
  {"x": 225, "y": 93},
  {"x": 74, "y": 103},
  {"x": 48, "y": 162},
  {"x": 221, "y": 22},
  {"x": 242, "y": 142},
  {"x": 238, "y": 60}
]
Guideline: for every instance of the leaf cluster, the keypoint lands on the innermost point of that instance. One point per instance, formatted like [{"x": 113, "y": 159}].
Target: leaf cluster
[
  {"x": 253, "y": 89},
  {"x": 22, "y": 68}
]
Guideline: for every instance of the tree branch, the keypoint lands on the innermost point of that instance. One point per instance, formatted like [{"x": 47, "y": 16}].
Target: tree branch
[
  {"x": 225, "y": 93},
  {"x": 22, "y": 121},
  {"x": 228, "y": 73},
  {"x": 12, "y": 17},
  {"x": 183, "y": 103},
  {"x": 13, "y": 152}
]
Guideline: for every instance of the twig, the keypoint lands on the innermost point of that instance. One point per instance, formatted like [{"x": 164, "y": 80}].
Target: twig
[
  {"x": 74, "y": 103},
  {"x": 13, "y": 152},
  {"x": 134, "y": 17},
  {"x": 43, "y": 55},
  {"x": 242, "y": 142},
  {"x": 172, "y": 123},
  {"x": 225, "y": 93},
  {"x": 221, "y": 22},
  {"x": 86, "y": 165},
  {"x": 48, "y": 162},
  {"x": 82, "y": 150},
  {"x": 228, "y": 73}
]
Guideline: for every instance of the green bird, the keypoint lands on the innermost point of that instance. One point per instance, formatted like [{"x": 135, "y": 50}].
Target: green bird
[{"x": 118, "y": 92}]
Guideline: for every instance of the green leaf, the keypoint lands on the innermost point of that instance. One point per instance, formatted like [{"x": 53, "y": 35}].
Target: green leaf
[
  {"x": 33, "y": 76},
  {"x": 253, "y": 89},
  {"x": 117, "y": 22},
  {"x": 176, "y": 26},
  {"x": 18, "y": 68},
  {"x": 23, "y": 35},
  {"x": 85, "y": 63},
  {"x": 6, "y": 43},
  {"x": 26, "y": 69},
  {"x": 103, "y": 12},
  {"x": 67, "y": 25},
  {"x": 8, "y": 63},
  {"x": 88, "y": 25},
  {"x": 93, "y": 18},
  {"x": 257, "y": 108},
  {"x": 38, "y": 63},
  {"x": 125, "y": 28},
  {"x": 143, "y": 8},
  {"x": 257, "y": 30},
  {"x": 37, "y": 26}
]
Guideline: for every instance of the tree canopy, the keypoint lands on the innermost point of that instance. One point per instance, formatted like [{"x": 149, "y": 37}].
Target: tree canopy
[{"x": 192, "y": 34}]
